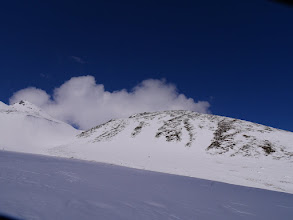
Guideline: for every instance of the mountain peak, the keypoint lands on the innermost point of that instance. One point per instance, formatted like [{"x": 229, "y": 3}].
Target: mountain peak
[
  {"x": 216, "y": 135},
  {"x": 175, "y": 141},
  {"x": 28, "y": 108},
  {"x": 25, "y": 103},
  {"x": 25, "y": 127}
]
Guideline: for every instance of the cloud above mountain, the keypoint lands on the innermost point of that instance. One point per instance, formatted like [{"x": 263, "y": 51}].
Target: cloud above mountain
[{"x": 84, "y": 103}]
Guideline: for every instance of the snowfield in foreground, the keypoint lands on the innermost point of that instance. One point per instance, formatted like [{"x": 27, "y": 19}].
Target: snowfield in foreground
[
  {"x": 40, "y": 187},
  {"x": 176, "y": 142}
]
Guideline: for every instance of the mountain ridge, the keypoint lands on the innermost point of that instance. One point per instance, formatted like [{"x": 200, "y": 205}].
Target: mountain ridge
[
  {"x": 24, "y": 127},
  {"x": 175, "y": 121},
  {"x": 177, "y": 142}
]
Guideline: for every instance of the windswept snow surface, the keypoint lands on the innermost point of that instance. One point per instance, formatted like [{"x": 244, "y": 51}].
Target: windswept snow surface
[
  {"x": 26, "y": 128},
  {"x": 39, "y": 187},
  {"x": 192, "y": 144},
  {"x": 177, "y": 142}
]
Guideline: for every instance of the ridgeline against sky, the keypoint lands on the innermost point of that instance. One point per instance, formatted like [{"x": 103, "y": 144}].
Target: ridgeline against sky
[{"x": 235, "y": 55}]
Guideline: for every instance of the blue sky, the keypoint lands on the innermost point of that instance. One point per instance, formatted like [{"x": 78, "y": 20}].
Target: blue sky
[{"x": 237, "y": 55}]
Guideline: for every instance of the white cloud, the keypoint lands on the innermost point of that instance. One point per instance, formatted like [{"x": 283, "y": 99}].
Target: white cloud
[
  {"x": 83, "y": 102},
  {"x": 78, "y": 59},
  {"x": 36, "y": 96}
]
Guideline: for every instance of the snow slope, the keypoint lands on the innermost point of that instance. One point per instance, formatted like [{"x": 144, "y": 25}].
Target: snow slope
[
  {"x": 191, "y": 144},
  {"x": 38, "y": 187},
  {"x": 26, "y": 128},
  {"x": 177, "y": 142}
]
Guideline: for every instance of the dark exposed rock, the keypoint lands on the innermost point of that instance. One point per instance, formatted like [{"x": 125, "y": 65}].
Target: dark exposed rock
[
  {"x": 267, "y": 147},
  {"x": 220, "y": 136},
  {"x": 138, "y": 128}
]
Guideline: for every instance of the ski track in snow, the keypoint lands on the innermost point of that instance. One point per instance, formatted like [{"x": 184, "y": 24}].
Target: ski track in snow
[{"x": 40, "y": 187}]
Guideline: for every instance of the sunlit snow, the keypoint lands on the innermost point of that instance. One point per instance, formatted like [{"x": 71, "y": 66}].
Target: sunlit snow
[{"x": 39, "y": 187}]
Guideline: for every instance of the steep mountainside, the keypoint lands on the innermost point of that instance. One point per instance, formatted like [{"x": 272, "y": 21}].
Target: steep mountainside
[
  {"x": 191, "y": 144},
  {"x": 177, "y": 142},
  {"x": 215, "y": 134},
  {"x": 26, "y": 128}
]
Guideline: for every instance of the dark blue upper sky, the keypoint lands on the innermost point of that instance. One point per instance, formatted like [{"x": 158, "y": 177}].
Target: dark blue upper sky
[{"x": 238, "y": 55}]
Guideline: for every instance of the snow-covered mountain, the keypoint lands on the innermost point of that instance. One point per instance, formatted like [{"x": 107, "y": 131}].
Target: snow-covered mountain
[
  {"x": 214, "y": 134},
  {"x": 178, "y": 142},
  {"x": 192, "y": 144},
  {"x": 26, "y": 128}
]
